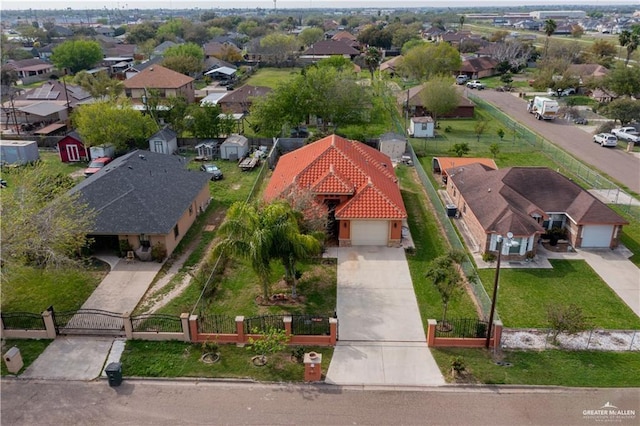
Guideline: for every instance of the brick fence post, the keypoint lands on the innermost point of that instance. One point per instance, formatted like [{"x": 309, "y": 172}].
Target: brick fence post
[
  {"x": 240, "y": 330},
  {"x": 287, "y": 320},
  {"x": 128, "y": 325},
  {"x": 184, "y": 321},
  {"x": 49, "y": 325},
  {"x": 333, "y": 330},
  {"x": 497, "y": 333},
  {"x": 193, "y": 328},
  {"x": 431, "y": 332}
]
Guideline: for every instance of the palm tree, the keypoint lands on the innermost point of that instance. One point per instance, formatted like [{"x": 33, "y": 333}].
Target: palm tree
[
  {"x": 461, "y": 21},
  {"x": 372, "y": 58},
  {"x": 549, "y": 28},
  {"x": 262, "y": 235},
  {"x": 243, "y": 235},
  {"x": 630, "y": 40}
]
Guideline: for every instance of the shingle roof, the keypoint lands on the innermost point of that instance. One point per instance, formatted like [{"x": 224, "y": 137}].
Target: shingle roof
[
  {"x": 141, "y": 193},
  {"x": 331, "y": 47},
  {"x": 157, "y": 77},
  {"x": 338, "y": 166},
  {"x": 166, "y": 134},
  {"x": 503, "y": 200}
]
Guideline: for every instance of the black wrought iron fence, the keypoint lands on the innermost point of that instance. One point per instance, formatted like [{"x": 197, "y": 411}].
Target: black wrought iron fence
[
  {"x": 220, "y": 324},
  {"x": 157, "y": 323},
  {"x": 263, "y": 323},
  {"x": 462, "y": 328},
  {"x": 310, "y": 325},
  {"x": 22, "y": 321}
]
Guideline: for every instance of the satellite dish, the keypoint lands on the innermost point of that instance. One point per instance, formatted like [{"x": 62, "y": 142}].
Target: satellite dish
[{"x": 509, "y": 235}]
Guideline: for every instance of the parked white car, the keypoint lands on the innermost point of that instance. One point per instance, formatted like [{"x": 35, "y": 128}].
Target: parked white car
[
  {"x": 606, "y": 139},
  {"x": 461, "y": 79},
  {"x": 475, "y": 84},
  {"x": 566, "y": 92}
]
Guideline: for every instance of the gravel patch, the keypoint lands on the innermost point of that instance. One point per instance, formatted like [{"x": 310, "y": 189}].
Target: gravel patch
[{"x": 598, "y": 340}]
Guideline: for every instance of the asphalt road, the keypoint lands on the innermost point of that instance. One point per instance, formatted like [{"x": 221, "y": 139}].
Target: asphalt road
[
  {"x": 138, "y": 402},
  {"x": 620, "y": 165}
]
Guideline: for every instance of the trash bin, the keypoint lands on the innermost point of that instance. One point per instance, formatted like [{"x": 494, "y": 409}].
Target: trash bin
[
  {"x": 13, "y": 360},
  {"x": 114, "y": 373}
]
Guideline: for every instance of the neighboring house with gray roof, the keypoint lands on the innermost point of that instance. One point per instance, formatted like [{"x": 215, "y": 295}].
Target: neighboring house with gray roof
[
  {"x": 146, "y": 199},
  {"x": 529, "y": 201}
]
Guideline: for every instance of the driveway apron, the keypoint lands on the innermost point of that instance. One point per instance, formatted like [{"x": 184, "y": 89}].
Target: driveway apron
[{"x": 381, "y": 338}]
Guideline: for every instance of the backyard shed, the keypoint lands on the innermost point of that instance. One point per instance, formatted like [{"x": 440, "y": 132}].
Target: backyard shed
[
  {"x": 71, "y": 148},
  {"x": 393, "y": 145},
  {"x": 18, "y": 152},
  {"x": 234, "y": 147},
  {"x": 102, "y": 151},
  {"x": 164, "y": 141},
  {"x": 421, "y": 127},
  {"x": 207, "y": 150}
]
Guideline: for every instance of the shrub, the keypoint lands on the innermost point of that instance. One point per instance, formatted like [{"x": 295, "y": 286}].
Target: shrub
[
  {"x": 457, "y": 364},
  {"x": 158, "y": 252},
  {"x": 124, "y": 247},
  {"x": 488, "y": 257}
]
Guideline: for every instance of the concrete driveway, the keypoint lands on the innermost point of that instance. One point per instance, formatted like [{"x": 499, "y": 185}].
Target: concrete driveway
[
  {"x": 381, "y": 338},
  {"x": 124, "y": 286}
]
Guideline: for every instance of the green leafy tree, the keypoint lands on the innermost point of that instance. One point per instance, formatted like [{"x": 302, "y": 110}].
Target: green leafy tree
[
  {"x": 630, "y": 39},
  {"x": 426, "y": 60},
  {"x": 186, "y": 49},
  {"x": 602, "y": 52},
  {"x": 376, "y": 37},
  {"x": 113, "y": 121},
  {"x": 405, "y": 33},
  {"x": 549, "y": 27},
  {"x": 494, "y": 149},
  {"x": 308, "y": 36},
  {"x": 76, "y": 55},
  {"x": 444, "y": 271},
  {"x": 186, "y": 65},
  {"x": 171, "y": 30},
  {"x": 623, "y": 81},
  {"x": 42, "y": 224},
  {"x": 99, "y": 85},
  {"x": 207, "y": 122},
  {"x": 336, "y": 61},
  {"x": 500, "y": 133},
  {"x": 439, "y": 96},
  {"x": 137, "y": 34},
  {"x": 279, "y": 46},
  {"x": 625, "y": 109},
  {"x": 460, "y": 149}
]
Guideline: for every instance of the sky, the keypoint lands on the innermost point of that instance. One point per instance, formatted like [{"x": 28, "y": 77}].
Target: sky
[{"x": 290, "y": 4}]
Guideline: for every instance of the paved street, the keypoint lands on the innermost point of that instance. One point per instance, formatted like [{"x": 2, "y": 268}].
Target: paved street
[
  {"x": 191, "y": 402},
  {"x": 617, "y": 163}
]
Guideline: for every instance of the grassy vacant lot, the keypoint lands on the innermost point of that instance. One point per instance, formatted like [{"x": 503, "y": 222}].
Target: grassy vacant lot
[
  {"x": 525, "y": 294},
  {"x": 29, "y": 350},
  {"x": 429, "y": 244},
  {"x": 271, "y": 77},
  {"x": 179, "y": 359},
  {"x": 546, "y": 368}
]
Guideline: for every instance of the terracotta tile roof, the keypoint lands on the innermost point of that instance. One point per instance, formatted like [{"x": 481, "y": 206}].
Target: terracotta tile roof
[
  {"x": 335, "y": 165},
  {"x": 157, "y": 77},
  {"x": 503, "y": 200},
  {"x": 453, "y": 162}
]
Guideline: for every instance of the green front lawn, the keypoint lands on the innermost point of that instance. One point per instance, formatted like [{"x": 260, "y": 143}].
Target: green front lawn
[
  {"x": 179, "y": 359},
  {"x": 630, "y": 236},
  {"x": 524, "y": 295},
  {"x": 33, "y": 290},
  {"x": 30, "y": 350},
  {"x": 545, "y": 368}
]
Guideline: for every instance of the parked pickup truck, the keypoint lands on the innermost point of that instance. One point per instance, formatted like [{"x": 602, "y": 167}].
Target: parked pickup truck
[
  {"x": 629, "y": 134},
  {"x": 475, "y": 84}
]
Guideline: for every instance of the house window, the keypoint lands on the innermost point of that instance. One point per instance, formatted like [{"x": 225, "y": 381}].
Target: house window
[
  {"x": 454, "y": 192},
  {"x": 190, "y": 210},
  {"x": 464, "y": 208},
  {"x": 424, "y": 126},
  {"x": 176, "y": 231},
  {"x": 144, "y": 240}
]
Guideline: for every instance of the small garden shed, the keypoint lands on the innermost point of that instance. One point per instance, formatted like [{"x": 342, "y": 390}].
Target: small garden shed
[
  {"x": 71, "y": 149},
  {"x": 393, "y": 145},
  {"x": 18, "y": 152},
  {"x": 208, "y": 149},
  {"x": 421, "y": 127},
  {"x": 234, "y": 147},
  {"x": 164, "y": 141}
]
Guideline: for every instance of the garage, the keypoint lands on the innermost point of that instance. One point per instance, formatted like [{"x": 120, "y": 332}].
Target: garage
[
  {"x": 596, "y": 235},
  {"x": 369, "y": 232}
]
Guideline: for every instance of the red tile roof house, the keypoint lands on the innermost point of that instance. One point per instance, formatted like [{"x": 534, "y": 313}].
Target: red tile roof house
[
  {"x": 352, "y": 181},
  {"x": 167, "y": 82},
  {"x": 527, "y": 201}
]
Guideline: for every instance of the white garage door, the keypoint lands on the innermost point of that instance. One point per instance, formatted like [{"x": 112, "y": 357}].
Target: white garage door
[
  {"x": 369, "y": 232},
  {"x": 597, "y": 235}
]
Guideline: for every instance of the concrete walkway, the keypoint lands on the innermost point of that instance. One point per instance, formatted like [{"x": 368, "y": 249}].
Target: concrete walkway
[{"x": 381, "y": 338}]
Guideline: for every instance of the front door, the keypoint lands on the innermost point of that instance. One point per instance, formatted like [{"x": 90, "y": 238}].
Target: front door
[{"x": 73, "y": 153}]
